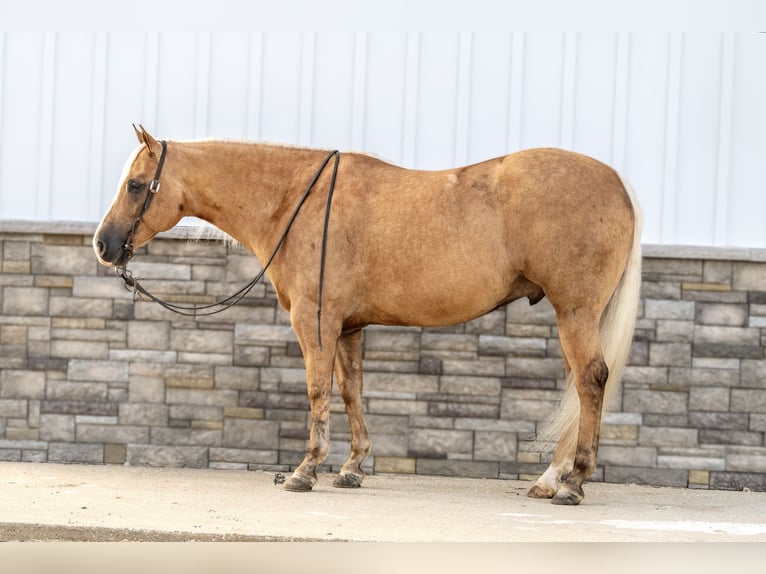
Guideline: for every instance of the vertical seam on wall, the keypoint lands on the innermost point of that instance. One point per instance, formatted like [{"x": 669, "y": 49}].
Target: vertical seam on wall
[
  {"x": 359, "y": 91},
  {"x": 151, "y": 80},
  {"x": 463, "y": 100},
  {"x": 670, "y": 158},
  {"x": 410, "y": 116},
  {"x": 723, "y": 151},
  {"x": 2, "y": 107},
  {"x": 306, "y": 97},
  {"x": 98, "y": 111},
  {"x": 202, "y": 88},
  {"x": 253, "y": 108},
  {"x": 514, "y": 135},
  {"x": 568, "y": 90},
  {"x": 620, "y": 101},
  {"x": 47, "y": 120}
]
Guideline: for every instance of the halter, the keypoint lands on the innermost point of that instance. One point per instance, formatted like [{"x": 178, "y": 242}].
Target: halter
[
  {"x": 154, "y": 187},
  {"x": 132, "y": 284}
]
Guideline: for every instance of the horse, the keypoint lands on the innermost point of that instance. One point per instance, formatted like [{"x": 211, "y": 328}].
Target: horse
[{"x": 411, "y": 248}]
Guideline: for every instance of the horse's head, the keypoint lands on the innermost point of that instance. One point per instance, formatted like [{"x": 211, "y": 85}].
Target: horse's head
[{"x": 140, "y": 210}]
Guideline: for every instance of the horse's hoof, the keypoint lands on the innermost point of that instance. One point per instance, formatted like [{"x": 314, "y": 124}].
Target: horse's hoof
[
  {"x": 347, "y": 480},
  {"x": 568, "y": 495},
  {"x": 298, "y": 483},
  {"x": 541, "y": 491}
]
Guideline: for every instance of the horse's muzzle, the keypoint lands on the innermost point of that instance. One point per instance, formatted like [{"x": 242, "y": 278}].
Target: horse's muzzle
[{"x": 111, "y": 249}]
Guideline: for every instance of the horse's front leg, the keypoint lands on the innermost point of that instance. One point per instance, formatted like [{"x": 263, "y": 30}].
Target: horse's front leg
[
  {"x": 348, "y": 374},
  {"x": 319, "y": 367}
]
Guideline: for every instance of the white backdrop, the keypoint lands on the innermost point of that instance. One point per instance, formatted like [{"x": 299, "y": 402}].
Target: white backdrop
[{"x": 682, "y": 115}]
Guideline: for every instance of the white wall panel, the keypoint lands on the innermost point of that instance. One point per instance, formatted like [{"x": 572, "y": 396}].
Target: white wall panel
[{"x": 681, "y": 115}]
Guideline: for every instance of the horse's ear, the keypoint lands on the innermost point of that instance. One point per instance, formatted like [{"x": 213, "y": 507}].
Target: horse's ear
[{"x": 145, "y": 138}]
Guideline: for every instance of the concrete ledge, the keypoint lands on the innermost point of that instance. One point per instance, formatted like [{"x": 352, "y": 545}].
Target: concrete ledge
[{"x": 652, "y": 251}]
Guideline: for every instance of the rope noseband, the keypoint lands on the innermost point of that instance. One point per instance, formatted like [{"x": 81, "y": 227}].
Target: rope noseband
[{"x": 132, "y": 283}]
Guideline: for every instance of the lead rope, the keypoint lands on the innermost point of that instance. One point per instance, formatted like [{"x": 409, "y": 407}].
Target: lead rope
[{"x": 133, "y": 284}]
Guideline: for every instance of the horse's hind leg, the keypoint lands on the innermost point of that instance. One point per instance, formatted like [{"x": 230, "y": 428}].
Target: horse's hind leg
[
  {"x": 580, "y": 342},
  {"x": 348, "y": 374}
]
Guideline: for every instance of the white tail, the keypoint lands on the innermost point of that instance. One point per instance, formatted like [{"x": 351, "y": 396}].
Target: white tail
[{"x": 616, "y": 332}]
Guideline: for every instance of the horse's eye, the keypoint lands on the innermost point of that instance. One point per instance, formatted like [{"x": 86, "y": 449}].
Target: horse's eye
[{"x": 135, "y": 185}]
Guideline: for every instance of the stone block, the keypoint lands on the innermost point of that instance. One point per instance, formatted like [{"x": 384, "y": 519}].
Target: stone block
[
  {"x": 493, "y": 323},
  {"x": 63, "y": 260},
  {"x": 115, "y": 453},
  {"x": 670, "y": 354},
  {"x": 112, "y": 434},
  {"x": 715, "y": 334},
  {"x": 79, "y": 349},
  {"x": 717, "y": 272},
  {"x": 753, "y": 373},
  {"x": 721, "y": 350},
  {"x": 250, "y": 433},
  {"x": 691, "y": 462},
  {"x": 535, "y": 368},
  {"x": 18, "y": 384},
  {"x": 167, "y": 456},
  {"x": 87, "y": 370},
  {"x": 450, "y": 342},
  {"x": 649, "y": 401},
  {"x": 675, "y": 331},
  {"x": 401, "y": 382},
  {"x": 738, "y": 481},
  {"x": 154, "y": 335},
  {"x": 90, "y": 287},
  {"x": 484, "y": 367},
  {"x": 732, "y": 315},
  {"x": 76, "y": 391},
  {"x": 143, "y": 414},
  {"x": 185, "y": 436},
  {"x": 668, "y": 309},
  {"x": 708, "y": 399},
  {"x": 660, "y": 436},
  {"x": 748, "y": 401},
  {"x": 652, "y": 476},
  {"x": 241, "y": 455},
  {"x": 700, "y": 376},
  {"x": 396, "y": 407},
  {"x": 55, "y": 427},
  {"x": 236, "y": 378},
  {"x": 758, "y": 423},
  {"x": 465, "y": 468},
  {"x": 720, "y": 421},
  {"x": 392, "y": 339},
  {"x": 425, "y": 442},
  {"x": 493, "y": 445},
  {"x": 25, "y": 301},
  {"x": 266, "y": 335},
  {"x": 638, "y": 456},
  {"x": 748, "y": 276},
  {"x": 146, "y": 390},
  {"x": 201, "y": 341},
  {"x": 462, "y": 409},
  {"x": 80, "y": 307},
  {"x": 13, "y": 408},
  {"x": 212, "y": 397},
  {"x": 751, "y": 462},
  {"x": 247, "y": 356},
  {"x": 469, "y": 385},
  {"x": 68, "y": 452},
  {"x": 731, "y": 437},
  {"x": 512, "y": 346},
  {"x": 394, "y": 464},
  {"x": 645, "y": 375}
]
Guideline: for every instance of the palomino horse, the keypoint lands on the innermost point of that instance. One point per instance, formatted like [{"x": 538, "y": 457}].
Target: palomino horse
[{"x": 410, "y": 247}]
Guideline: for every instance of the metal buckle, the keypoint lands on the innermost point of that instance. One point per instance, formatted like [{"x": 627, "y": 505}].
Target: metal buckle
[{"x": 154, "y": 186}]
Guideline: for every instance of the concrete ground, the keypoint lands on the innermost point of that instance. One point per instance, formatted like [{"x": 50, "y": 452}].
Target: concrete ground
[{"x": 115, "y": 503}]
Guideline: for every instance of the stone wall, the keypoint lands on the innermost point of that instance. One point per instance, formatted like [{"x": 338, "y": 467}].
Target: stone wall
[{"x": 88, "y": 375}]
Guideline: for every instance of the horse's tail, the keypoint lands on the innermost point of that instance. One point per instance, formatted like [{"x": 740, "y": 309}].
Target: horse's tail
[{"x": 616, "y": 333}]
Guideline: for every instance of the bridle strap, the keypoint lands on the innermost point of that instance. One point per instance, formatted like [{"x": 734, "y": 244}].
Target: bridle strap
[
  {"x": 154, "y": 187},
  {"x": 132, "y": 283}
]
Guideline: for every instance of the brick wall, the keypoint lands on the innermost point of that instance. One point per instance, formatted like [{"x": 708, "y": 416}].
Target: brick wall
[{"x": 87, "y": 375}]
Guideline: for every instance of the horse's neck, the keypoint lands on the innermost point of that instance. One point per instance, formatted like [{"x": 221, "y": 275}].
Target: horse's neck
[{"x": 248, "y": 190}]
